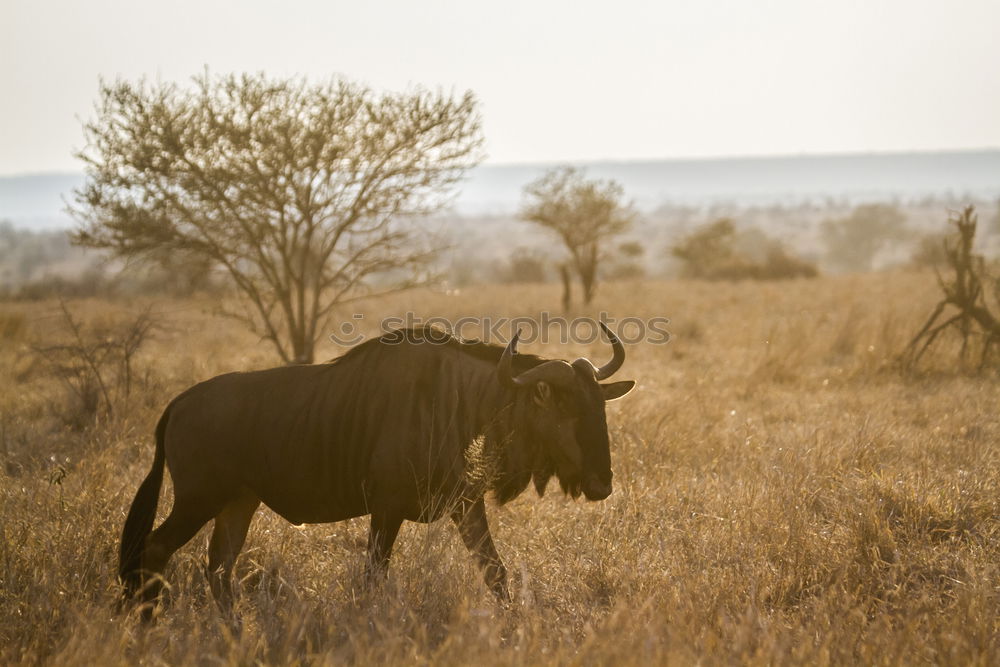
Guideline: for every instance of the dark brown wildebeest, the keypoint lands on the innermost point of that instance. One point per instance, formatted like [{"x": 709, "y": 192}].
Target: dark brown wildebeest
[{"x": 386, "y": 430}]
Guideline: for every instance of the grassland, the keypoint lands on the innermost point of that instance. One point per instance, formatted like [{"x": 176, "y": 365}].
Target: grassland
[{"x": 783, "y": 494}]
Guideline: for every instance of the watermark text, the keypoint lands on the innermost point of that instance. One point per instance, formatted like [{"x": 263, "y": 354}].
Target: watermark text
[{"x": 544, "y": 329}]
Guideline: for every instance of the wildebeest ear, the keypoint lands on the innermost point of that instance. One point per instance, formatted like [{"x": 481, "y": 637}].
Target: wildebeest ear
[
  {"x": 542, "y": 393},
  {"x": 616, "y": 389}
]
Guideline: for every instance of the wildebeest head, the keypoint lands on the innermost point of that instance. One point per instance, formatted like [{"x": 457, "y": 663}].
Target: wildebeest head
[{"x": 563, "y": 408}]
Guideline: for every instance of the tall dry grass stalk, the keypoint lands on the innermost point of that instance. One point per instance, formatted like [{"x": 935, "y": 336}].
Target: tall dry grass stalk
[{"x": 782, "y": 495}]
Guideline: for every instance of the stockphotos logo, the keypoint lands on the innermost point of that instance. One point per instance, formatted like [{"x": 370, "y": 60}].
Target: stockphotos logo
[{"x": 543, "y": 329}]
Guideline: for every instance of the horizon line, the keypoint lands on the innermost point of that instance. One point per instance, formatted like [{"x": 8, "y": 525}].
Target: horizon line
[
  {"x": 750, "y": 156},
  {"x": 648, "y": 160}
]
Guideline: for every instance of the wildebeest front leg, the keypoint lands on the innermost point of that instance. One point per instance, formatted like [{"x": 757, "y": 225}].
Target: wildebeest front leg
[
  {"x": 470, "y": 517},
  {"x": 383, "y": 533}
]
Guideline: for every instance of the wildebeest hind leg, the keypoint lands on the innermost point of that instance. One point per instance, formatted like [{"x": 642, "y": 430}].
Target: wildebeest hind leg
[
  {"x": 186, "y": 518},
  {"x": 384, "y": 529},
  {"x": 228, "y": 536},
  {"x": 470, "y": 517}
]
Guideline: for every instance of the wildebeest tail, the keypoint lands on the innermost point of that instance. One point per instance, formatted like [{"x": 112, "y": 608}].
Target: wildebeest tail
[{"x": 139, "y": 522}]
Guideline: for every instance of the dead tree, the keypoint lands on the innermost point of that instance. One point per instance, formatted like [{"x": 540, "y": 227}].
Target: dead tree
[{"x": 965, "y": 307}]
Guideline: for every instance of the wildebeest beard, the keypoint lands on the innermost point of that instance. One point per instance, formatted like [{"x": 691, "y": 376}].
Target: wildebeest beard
[{"x": 505, "y": 458}]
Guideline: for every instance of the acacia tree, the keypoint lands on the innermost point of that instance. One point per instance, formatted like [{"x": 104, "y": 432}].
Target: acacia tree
[
  {"x": 303, "y": 193},
  {"x": 584, "y": 214}
]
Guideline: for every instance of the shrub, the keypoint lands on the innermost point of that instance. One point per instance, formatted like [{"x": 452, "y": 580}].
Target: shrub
[
  {"x": 853, "y": 242},
  {"x": 96, "y": 363},
  {"x": 525, "y": 265},
  {"x": 627, "y": 263},
  {"x": 929, "y": 252},
  {"x": 716, "y": 251}
]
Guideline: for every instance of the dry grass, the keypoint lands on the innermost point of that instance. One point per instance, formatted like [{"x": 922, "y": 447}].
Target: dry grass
[{"x": 783, "y": 494}]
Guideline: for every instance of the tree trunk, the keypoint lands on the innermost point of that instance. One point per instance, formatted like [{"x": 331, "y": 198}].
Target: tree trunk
[
  {"x": 587, "y": 268},
  {"x": 589, "y": 287},
  {"x": 304, "y": 353},
  {"x": 567, "y": 286},
  {"x": 303, "y": 348}
]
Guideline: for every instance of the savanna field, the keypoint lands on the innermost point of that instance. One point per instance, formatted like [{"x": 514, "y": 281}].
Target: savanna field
[{"x": 784, "y": 493}]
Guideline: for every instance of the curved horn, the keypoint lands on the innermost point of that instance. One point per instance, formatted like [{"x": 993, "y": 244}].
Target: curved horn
[
  {"x": 610, "y": 368},
  {"x": 507, "y": 378},
  {"x": 555, "y": 371}
]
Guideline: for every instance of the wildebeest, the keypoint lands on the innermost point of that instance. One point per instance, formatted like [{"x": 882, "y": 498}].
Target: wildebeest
[{"x": 412, "y": 426}]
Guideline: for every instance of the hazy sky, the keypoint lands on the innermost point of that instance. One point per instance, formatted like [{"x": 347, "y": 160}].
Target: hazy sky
[{"x": 558, "y": 81}]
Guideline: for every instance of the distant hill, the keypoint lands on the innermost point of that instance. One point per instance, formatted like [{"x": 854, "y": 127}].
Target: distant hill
[
  {"x": 37, "y": 200},
  {"x": 754, "y": 181}
]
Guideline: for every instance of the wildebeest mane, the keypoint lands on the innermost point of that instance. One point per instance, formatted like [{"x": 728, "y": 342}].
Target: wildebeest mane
[{"x": 478, "y": 349}]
